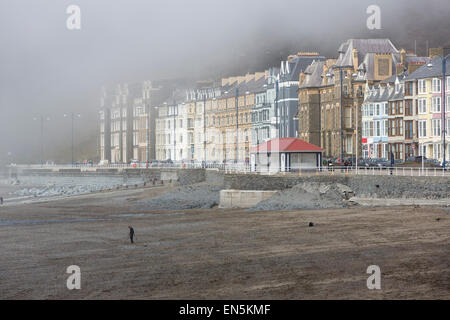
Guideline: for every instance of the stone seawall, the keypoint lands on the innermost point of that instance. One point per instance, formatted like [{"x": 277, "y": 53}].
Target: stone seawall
[
  {"x": 362, "y": 185},
  {"x": 179, "y": 176}
]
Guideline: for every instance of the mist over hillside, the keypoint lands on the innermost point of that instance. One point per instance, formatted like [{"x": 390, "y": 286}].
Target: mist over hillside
[{"x": 48, "y": 70}]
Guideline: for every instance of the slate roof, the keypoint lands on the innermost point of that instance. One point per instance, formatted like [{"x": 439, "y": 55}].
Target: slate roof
[
  {"x": 380, "y": 94},
  {"x": 425, "y": 72},
  {"x": 298, "y": 64},
  {"x": 363, "y": 46},
  {"x": 313, "y": 77},
  {"x": 394, "y": 77},
  {"x": 252, "y": 86}
]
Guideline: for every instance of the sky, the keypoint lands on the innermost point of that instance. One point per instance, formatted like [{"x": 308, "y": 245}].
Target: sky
[{"x": 48, "y": 70}]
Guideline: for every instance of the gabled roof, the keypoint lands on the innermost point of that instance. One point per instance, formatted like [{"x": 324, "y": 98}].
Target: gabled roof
[
  {"x": 313, "y": 76},
  {"x": 425, "y": 72},
  {"x": 286, "y": 145},
  {"x": 363, "y": 46},
  {"x": 298, "y": 64}
]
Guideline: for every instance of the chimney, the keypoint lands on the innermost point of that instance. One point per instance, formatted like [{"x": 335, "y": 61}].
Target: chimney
[
  {"x": 403, "y": 57},
  {"x": 259, "y": 75},
  {"x": 355, "y": 60},
  {"x": 436, "y": 52},
  {"x": 307, "y": 54},
  {"x": 301, "y": 78}
]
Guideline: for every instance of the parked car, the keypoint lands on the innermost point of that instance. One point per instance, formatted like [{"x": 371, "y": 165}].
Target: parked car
[{"x": 103, "y": 163}]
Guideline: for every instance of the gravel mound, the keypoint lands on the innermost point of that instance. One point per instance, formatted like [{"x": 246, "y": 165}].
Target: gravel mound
[
  {"x": 308, "y": 195},
  {"x": 197, "y": 196}
]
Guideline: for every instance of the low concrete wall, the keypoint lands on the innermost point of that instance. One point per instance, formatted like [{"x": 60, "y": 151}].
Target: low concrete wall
[
  {"x": 243, "y": 198},
  {"x": 362, "y": 186}
]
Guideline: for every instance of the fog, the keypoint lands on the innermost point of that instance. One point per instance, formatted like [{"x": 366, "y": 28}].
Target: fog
[{"x": 48, "y": 70}]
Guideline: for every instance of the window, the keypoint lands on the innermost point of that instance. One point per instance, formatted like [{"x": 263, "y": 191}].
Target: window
[
  {"x": 383, "y": 67},
  {"x": 422, "y": 150},
  {"x": 371, "y": 110},
  {"x": 364, "y": 129},
  {"x": 348, "y": 117},
  {"x": 408, "y": 108},
  {"x": 385, "y": 127},
  {"x": 409, "y": 89},
  {"x": 422, "y": 86},
  {"x": 386, "y": 108},
  {"x": 377, "y": 128},
  {"x": 436, "y": 105},
  {"x": 436, "y": 127},
  {"x": 436, "y": 87},
  {"x": 385, "y": 150},
  {"x": 422, "y": 128},
  {"x": 393, "y": 128},
  {"x": 422, "y": 106},
  {"x": 377, "y": 109},
  {"x": 409, "y": 129},
  {"x": 349, "y": 144},
  {"x": 437, "y": 150}
]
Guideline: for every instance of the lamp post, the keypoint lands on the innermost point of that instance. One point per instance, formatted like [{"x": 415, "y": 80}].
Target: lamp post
[
  {"x": 237, "y": 124},
  {"x": 354, "y": 75},
  {"x": 147, "y": 129},
  {"x": 42, "y": 118},
  {"x": 72, "y": 116},
  {"x": 204, "y": 129},
  {"x": 158, "y": 154},
  {"x": 340, "y": 107},
  {"x": 444, "y": 96},
  {"x": 174, "y": 111}
]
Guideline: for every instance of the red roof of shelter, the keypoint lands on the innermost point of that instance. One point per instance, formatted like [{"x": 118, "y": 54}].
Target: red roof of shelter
[{"x": 286, "y": 145}]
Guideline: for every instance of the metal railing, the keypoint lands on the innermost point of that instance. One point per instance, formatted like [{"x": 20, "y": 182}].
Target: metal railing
[{"x": 245, "y": 168}]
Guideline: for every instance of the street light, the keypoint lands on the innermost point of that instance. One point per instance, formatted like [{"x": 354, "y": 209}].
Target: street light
[
  {"x": 330, "y": 75},
  {"x": 41, "y": 118},
  {"x": 72, "y": 118},
  {"x": 444, "y": 131}
]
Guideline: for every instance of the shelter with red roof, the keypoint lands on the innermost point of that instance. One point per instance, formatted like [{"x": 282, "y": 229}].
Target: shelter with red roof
[{"x": 285, "y": 154}]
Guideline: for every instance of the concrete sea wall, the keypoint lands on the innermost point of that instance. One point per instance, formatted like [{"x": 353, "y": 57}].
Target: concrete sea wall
[{"x": 362, "y": 186}]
